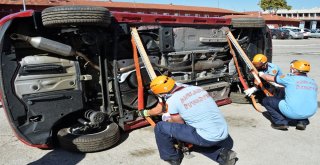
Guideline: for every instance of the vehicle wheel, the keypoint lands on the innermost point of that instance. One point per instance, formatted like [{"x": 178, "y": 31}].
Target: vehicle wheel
[
  {"x": 248, "y": 22},
  {"x": 290, "y": 37},
  {"x": 274, "y": 37},
  {"x": 239, "y": 98},
  {"x": 76, "y": 15},
  {"x": 89, "y": 142}
]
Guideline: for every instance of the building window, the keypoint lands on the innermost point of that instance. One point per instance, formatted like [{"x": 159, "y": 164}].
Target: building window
[
  {"x": 187, "y": 14},
  {"x": 311, "y": 14},
  {"x": 197, "y": 15},
  {"x": 206, "y": 15},
  {"x": 140, "y": 12},
  {"x": 176, "y": 14},
  {"x": 289, "y": 15},
  {"x": 318, "y": 14},
  {"x": 166, "y": 14},
  {"x": 294, "y": 15},
  {"x": 153, "y": 13},
  {"x": 300, "y": 15}
]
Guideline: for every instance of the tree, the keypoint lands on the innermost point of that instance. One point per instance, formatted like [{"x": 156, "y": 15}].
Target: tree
[{"x": 273, "y": 5}]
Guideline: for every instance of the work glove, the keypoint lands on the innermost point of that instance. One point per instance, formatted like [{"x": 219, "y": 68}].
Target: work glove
[
  {"x": 166, "y": 116},
  {"x": 143, "y": 113},
  {"x": 260, "y": 74},
  {"x": 250, "y": 91}
]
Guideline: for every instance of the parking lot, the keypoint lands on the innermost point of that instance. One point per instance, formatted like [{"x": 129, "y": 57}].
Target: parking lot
[{"x": 254, "y": 140}]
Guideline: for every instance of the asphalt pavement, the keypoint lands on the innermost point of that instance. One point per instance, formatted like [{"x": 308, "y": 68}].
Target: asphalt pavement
[{"x": 254, "y": 140}]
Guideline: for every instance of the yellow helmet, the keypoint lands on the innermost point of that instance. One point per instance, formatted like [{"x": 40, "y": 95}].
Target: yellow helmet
[
  {"x": 301, "y": 65},
  {"x": 260, "y": 58},
  {"x": 162, "y": 84}
]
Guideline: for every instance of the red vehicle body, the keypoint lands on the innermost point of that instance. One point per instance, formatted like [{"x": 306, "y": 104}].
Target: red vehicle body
[{"x": 68, "y": 76}]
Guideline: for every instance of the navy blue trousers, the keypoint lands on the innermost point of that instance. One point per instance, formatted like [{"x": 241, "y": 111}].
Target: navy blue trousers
[
  {"x": 272, "y": 106},
  {"x": 167, "y": 134}
]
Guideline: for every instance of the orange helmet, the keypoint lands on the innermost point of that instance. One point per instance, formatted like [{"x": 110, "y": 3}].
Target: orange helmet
[
  {"x": 162, "y": 84},
  {"x": 301, "y": 66},
  {"x": 259, "y": 60}
]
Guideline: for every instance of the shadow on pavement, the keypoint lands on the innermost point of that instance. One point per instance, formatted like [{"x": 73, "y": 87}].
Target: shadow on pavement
[
  {"x": 62, "y": 157},
  {"x": 59, "y": 156}
]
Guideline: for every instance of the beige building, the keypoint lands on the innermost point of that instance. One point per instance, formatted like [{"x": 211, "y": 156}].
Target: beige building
[{"x": 310, "y": 18}]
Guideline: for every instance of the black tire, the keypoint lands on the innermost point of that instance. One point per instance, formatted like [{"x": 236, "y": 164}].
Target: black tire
[
  {"x": 75, "y": 16},
  {"x": 239, "y": 98},
  {"x": 248, "y": 22},
  {"x": 89, "y": 142}
]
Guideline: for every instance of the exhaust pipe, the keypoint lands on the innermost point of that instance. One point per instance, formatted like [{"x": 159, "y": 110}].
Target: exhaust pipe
[
  {"x": 53, "y": 47},
  {"x": 45, "y": 44}
]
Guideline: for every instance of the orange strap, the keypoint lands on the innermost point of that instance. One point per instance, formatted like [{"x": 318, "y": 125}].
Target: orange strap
[
  {"x": 248, "y": 62},
  {"x": 243, "y": 82},
  {"x": 139, "y": 79}
]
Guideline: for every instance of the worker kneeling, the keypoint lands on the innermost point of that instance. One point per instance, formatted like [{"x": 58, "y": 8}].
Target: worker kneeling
[
  {"x": 194, "y": 118},
  {"x": 261, "y": 63},
  {"x": 299, "y": 101}
]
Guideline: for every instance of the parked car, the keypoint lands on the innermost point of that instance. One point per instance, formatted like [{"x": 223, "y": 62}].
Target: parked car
[
  {"x": 68, "y": 77},
  {"x": 306, "y": 33},
  {"x": 315, "y": 30},
  {"x": 294, "y": 33},
  {"x": 279, "y": 33},
  {"x": 315, "y": 34}
]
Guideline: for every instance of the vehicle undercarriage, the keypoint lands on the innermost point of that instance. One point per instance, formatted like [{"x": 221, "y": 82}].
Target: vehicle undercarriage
[{"x": 68, "y": 75}]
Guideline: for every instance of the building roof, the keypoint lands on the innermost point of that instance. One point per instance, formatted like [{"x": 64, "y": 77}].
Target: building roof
[
  {"x": 127, "y": 5},
  {"x": 271, "y": 17}
]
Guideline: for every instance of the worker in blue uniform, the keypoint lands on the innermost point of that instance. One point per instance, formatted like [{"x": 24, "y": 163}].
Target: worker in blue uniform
[
  {"x": 300, "y": 97},
  {"x": 194, "y": 118},
  {"x": 261, "y": 63}
]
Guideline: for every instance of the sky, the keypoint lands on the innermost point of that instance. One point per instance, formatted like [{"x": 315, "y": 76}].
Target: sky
[{"x": 236, "y": 5}]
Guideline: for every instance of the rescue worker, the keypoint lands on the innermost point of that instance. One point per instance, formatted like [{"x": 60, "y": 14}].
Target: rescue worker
[
  {"x": 300, "y": 97},
  {"x": 194, "y": 118},
  {"x": 261, "y": 63}
]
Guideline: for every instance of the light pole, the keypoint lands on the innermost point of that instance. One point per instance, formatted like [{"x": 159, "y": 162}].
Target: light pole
[{"x": 24, "y": 5}]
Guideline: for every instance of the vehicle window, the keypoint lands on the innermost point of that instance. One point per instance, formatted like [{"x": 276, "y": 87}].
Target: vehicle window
[{"x": 295, "y": 30}]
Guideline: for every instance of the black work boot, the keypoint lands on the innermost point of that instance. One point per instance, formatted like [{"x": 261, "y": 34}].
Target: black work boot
[
  {"x": 282, "y": 127},
  {"x": 228, "y": 157},
  {"x": 301, "y": 125}
]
